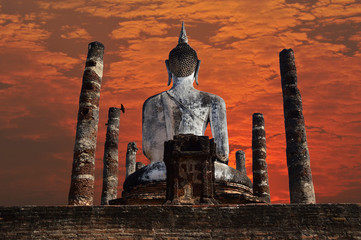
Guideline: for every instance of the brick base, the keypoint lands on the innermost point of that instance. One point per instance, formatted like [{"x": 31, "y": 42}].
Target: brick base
[{"x": 251, "y": 221}]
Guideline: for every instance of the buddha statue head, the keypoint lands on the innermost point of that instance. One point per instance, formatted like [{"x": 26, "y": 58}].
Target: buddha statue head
[{"x": 183, "y": 60}]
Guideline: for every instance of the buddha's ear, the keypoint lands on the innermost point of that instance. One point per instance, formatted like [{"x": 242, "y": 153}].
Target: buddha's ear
[
  {"x": 197, "y": 71},
  {"x": 169, "y": 72}
]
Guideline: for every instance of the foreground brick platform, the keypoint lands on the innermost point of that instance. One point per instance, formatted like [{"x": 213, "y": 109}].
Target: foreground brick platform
[{"x": 316, "y": 221}]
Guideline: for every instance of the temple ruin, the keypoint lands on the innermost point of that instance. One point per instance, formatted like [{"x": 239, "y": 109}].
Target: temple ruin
[
  {"x": 188, "y": 190},
  {"x": 186, "y": 168}
]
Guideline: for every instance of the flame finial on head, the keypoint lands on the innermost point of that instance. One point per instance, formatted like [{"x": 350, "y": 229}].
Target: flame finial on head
[
  {"x": 183, "y": 60},
  {"x": 183, "y": 35}
]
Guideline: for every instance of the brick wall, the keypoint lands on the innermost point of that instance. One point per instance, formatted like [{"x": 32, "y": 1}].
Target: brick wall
[{"x": 320, "y": 221}]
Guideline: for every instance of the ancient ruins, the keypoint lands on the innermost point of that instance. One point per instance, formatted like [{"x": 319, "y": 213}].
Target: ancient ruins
[
  {"x": 298, "y": 158},
  {"x": 82, "y": 177},
  {"x": 187, "y": 191},
  {"x": 186, "y": 167},
  {"x": 110, "y": 169}
]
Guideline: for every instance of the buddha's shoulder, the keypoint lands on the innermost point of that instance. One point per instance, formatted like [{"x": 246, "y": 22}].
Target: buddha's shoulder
[
  {"x": 210, "y": 97},
  {"x": 154, "y": 100}
]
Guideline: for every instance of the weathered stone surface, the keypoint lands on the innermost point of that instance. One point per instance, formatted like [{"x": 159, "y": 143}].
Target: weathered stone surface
[
  {"x": 156, "y": 172},
  {"x": 153, "y": 172},
  {"x": 145, "y": 194},
  {"x": 110, "y": 160},
  {"x": 225, "y": 173},
  {"x": 259, "y": 154},
  {"x": 253, "y": 221},
  {"x": 155, "y": 194},
  {"x": 131, "y": 158},
  {"x": 241, "y": 161},
  {"x": 298, "y": 158},
  {"x": 82, "y": 179},
  {"x": 189, "y": 160}
]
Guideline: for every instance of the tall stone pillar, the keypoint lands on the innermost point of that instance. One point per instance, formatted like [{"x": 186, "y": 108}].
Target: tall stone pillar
[
  {"x": 131, "y": 158},
  {"x": 241, "y": 161},
  {"x": 82, "y": 178},
  {"x": 259, "y": 154},
  {"x": 110, "y": 170},
  {"x": 298, "y": 158}
]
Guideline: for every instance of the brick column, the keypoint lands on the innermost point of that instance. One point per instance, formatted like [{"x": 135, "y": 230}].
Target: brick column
[
  {"x": 110, "y": 170},
  {"x": 259, "y": 154},
  {"x": 131, "y": 158},
  {"x": 241, "y": 161},
  {"x": 298, "y": 158},
  {"x": 82, "y": 178}
]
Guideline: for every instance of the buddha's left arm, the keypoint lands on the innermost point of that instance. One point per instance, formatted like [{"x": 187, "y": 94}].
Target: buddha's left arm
[{"x": 218, "y": 121}]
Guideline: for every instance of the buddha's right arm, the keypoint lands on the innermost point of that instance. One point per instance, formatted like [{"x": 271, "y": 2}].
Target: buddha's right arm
[
  {"x": 145, "y": 133},
  {"x": 218, "y": 121},
  {"x": 153, "y": 129}
]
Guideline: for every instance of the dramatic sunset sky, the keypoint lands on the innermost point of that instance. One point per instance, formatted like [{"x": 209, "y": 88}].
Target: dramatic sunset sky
[{"x": 43, "y": 47}]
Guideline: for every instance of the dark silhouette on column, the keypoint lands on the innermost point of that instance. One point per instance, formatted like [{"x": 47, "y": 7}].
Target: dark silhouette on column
[
  {"x": 110, "y": 170},
  {"x": 82, "y": 178},
  {"x": 139, "y": 165},
  {"x": 298, "y": 158},
  {"x": 259, "y": 154}
]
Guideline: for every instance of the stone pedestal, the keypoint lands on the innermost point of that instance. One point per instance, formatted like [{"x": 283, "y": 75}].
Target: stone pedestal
[{"x": 189, "y": 161}]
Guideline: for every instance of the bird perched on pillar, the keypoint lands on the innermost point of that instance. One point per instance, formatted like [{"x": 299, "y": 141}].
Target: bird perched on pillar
[{"x": 122, "y": 108}]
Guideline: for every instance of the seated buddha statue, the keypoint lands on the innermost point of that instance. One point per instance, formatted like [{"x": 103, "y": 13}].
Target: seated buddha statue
[{"x": 183, "y": 109}]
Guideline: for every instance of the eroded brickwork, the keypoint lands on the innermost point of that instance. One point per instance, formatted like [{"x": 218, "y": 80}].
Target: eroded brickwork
[
  {"x": 82, "y": 176},
  {"x": 110, "y": 160},
  {"x": 298, "y": 157},
  {"x": 259, "y": 155},
  {"x": 303, "y": 221},
  {"x": 190, "y": 169}
]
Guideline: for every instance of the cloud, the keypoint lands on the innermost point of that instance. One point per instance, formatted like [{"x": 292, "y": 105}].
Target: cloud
[
  {"x": 67, "y": 4},
  {"x": 306, "y": 2},
  {"x": 236, "y": 147},
  {"x": 133, "y": 29},
  {"x": 4, "y": 85},
  {"x": 74, "y": 32},
  {"x": 16, "y": 32},
  {"x": 322, "y": 131}
]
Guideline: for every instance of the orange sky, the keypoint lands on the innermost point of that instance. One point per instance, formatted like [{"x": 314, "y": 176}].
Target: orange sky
[{"x": 43, "y": 49}]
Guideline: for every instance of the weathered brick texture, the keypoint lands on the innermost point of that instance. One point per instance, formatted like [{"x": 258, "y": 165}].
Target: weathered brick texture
[
  {"x": 83, "y": 171},
  {"x": 298, "y": 157},
  {"x": 303, "y": 221}
]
